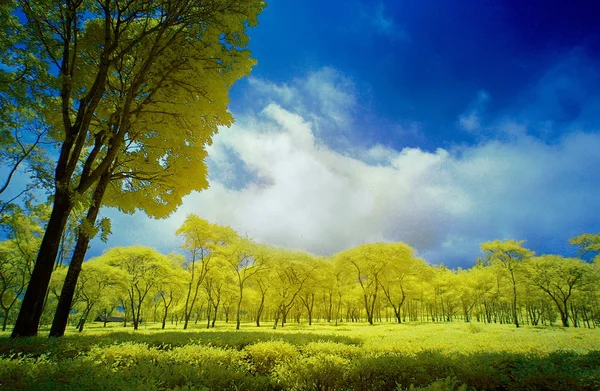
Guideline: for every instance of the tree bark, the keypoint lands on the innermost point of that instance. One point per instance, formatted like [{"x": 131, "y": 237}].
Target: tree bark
[
  {"x": 215, "y": 305},
  {"x": 515, "y": 317},
  {"x": 239, "y": 308},
  {"x": 277, "y": 311},
  {"x": 61, "y": 316},
  {"x": 260, "y": 310},
  {"x": 208, "y": 313},
  {"x": 5, "y": 320},
  {"x": 33, "y": 303}
]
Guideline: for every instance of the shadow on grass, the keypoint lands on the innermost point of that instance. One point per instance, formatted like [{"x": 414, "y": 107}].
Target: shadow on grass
[{"x": 72, "y": 345}]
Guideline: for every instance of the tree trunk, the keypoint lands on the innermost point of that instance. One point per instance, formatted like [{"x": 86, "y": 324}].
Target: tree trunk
[
  {"x": 284, "y": 314},
  {"x": 339, "y": 307},
  {"x": 84, "y": 317},
  {"x": 208, "y": 313},
  {"x": 215, "y": 313},
  {"x": 260, "y": 311},
  {"x": 136, "y": 319},
  {"x": 133, "y": 314},
  {"x": 277, "y": 311},
  {"x": 5, "y": 320},
  {"x": 330, "y": 308},
  {"x": 515, "y": 317},
  {"x": 564, "y": 314},
  {"x": 187, "y": 300},
  {"x": 31, "y": 309},
  {"x": 239, "y": 308},
  {"x": 65, "y": 302},
  {"x": 8, "y": 308},
  {"x": 164, "y": 319},
  {"x": 188, "y": 312}
]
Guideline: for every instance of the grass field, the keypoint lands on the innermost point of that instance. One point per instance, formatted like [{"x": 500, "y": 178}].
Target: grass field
[{"x": 465, "y": 356}]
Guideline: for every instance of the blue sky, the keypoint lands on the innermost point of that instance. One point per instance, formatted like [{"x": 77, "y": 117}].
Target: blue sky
[
  {"x": 443, "y": 124},
  {"x": 427, "y": 61}
]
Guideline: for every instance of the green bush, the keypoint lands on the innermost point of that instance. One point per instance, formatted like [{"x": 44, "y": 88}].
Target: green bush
[
  {"x": 447, "y": 384},
  {"x": 386, "y": 372},
  {"x": 264, "y": 356},
  {"x": 322, "y": 372}
]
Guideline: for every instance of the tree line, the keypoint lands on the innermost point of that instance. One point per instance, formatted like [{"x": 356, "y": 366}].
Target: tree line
[{"x": 220, "y": 276}]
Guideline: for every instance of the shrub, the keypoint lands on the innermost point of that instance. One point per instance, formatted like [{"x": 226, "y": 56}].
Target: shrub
[
  {"x": 447, "y": 384},
  {"x": 322, "y": 372},
  {"x": 264, "y": 356}
]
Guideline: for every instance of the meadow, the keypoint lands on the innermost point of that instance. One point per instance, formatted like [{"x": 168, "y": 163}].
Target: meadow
[{"x": 351, "y": 356}]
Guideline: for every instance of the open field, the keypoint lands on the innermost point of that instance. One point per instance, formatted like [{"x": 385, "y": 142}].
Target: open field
[{"x": 320, "y": 357}]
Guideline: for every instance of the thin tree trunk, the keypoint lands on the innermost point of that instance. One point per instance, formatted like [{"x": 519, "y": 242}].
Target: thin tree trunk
[
  {"x": 339, "y": 307},
  {"x": 5, "y": 320},
  {"x": 9, "y": 308},
  {"x": 208, "y": 313},
  {"x": 187, "y": 314},
  {"x": 216, "y": 311},
  {"x": 239, "y": 308},
  {"x": 515, "y": 317},
  {"x": 277, "y": 311},
  {"x": 260, "y": 311},
  {"x": 85, "y": 316}
]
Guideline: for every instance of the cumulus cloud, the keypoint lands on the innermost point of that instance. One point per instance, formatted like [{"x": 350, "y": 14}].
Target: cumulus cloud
[
  {"x": 325, "y": 98},
  {"x": 300, "y": 193}
]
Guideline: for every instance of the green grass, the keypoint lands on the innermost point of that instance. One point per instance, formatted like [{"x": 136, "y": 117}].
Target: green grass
[{"x": 299, "y": 357}]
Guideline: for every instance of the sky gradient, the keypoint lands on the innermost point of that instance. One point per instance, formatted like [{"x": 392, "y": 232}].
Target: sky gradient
[{"x": 442, "y": 124}]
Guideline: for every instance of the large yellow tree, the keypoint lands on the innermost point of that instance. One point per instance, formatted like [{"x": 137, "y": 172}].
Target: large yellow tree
[{"x": 140, "y": 88}]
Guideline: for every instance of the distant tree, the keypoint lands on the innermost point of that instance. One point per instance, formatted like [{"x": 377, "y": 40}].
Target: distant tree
[
  {"x": 559, "y": 278},
  {"x": 16, "y": 263},
  {"x": 508, "y": 255},
  {"x": 369, "y": 266},
  {"x": 402, "y": 266},
  {"x": 290, "y": 271},
  {"x": 245, "y": 260},
  {"x": 202, "y": 241},
  {"x": 172, "y": 288},
  {"x": 144, "y": 269},
  {"x": 216, "y": 282},
  {"x": 24, "y": 228},
  {"x": 97, "y": 279},
  {"x": 484, "y": 286},
  {"x": 588, "y": 244}
]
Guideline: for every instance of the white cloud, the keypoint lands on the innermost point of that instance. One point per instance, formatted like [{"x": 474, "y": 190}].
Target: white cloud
[
  {"x": 302, "y": 194},
  {"x": 384, "y": 24},
  {"x": 325, "y": 98},
  {"x": 471, "y": 119}
]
